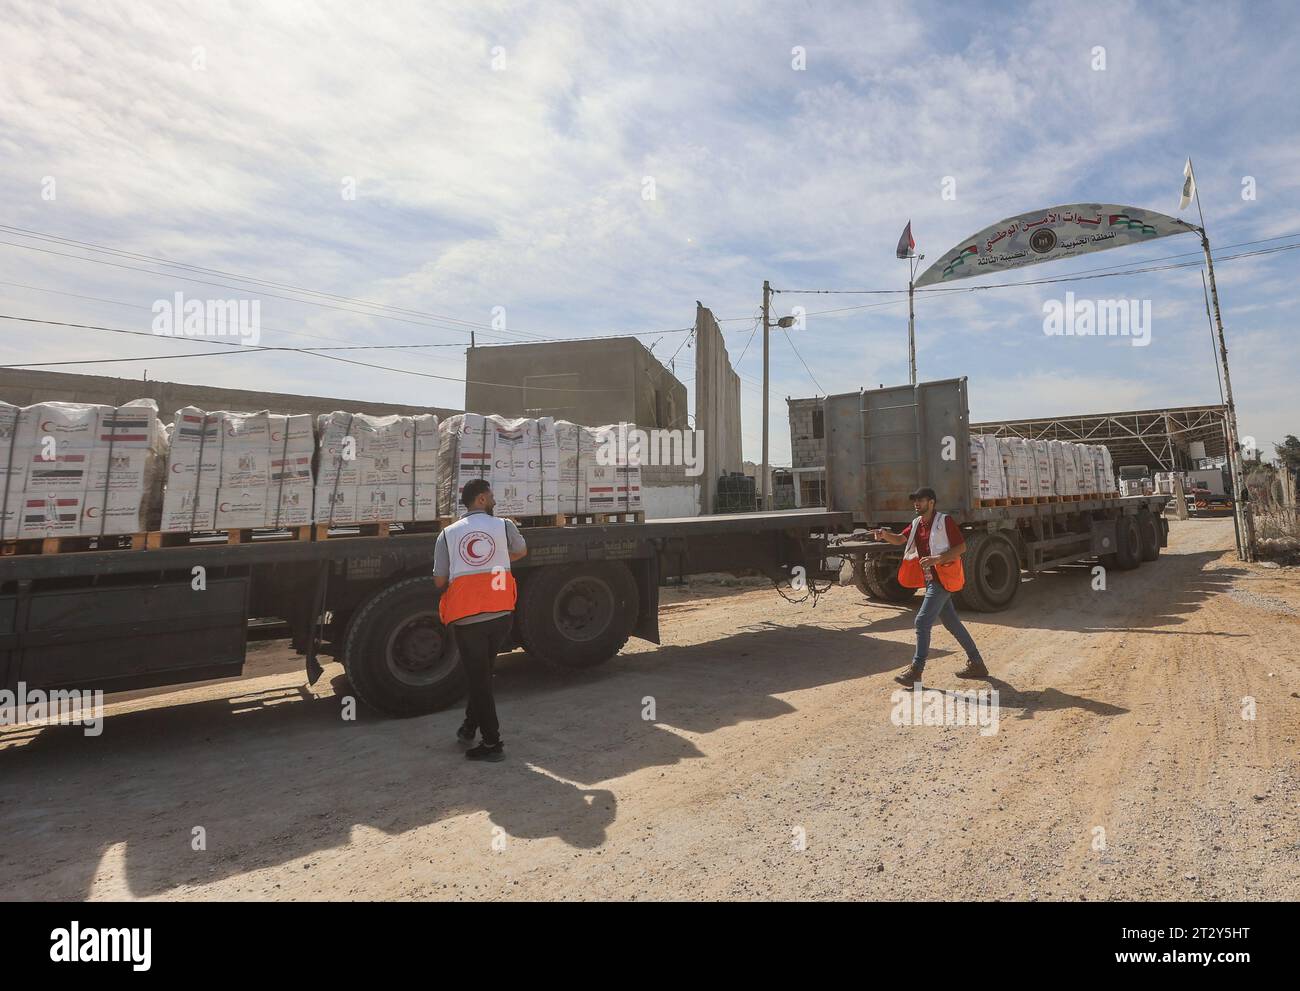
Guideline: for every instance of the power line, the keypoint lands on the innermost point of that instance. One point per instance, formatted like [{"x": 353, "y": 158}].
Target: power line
[
  {"x": 462, "y": 326},
  {"x": 817, "y": 384},
  {"x": 106, "y": 361},
  {"x": 314, "y": 352}
]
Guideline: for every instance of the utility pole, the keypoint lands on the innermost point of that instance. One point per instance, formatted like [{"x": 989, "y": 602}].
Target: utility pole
[
  {"x": 762, "y": 478},
  {"x": 1240, "y": 514}
]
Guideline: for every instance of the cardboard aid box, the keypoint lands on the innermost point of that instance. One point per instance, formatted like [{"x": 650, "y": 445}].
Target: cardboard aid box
[
  {"x": 69, "y": 426},
  {"x": 190, "y": 509},
  {"x": 289, "y": 504},
  {"x": 53, "y": 514},
  {"x": 240, "y": 508},
  {"x": 114, "y": 512},
  {"x": 611, "y": 488},
  {"x": 335, "y": 504}
]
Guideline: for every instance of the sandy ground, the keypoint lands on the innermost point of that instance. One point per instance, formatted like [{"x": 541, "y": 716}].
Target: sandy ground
[{"x": 1122, "y": 766}]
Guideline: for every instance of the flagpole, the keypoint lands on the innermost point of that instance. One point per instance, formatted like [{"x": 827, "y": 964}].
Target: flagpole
[
  {"x": 911, "y": 318},
  {"x": 1240, "y": 517}
]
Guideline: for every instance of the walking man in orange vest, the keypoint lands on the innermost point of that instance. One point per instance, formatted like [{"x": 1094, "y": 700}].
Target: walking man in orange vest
[
  {"x": 477, "y": 607},
  {"x": 932, "y": 559}
]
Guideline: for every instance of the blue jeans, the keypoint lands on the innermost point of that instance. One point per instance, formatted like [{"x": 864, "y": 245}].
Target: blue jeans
[{"x": 937, "y": 604}]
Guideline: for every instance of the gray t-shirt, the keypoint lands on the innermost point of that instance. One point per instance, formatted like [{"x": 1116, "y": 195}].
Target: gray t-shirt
[{"x": 442, "y": 566}]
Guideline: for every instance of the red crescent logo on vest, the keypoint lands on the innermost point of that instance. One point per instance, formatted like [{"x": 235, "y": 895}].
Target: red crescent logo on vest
[{"x": 476, "y": 548}]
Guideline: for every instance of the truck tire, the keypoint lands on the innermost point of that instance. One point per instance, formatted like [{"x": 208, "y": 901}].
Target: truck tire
[
  {"x": 1128, "y": 543},
  {"x": 577, "y": 615},
  {"x": 1149, "y": 531},
  {"x": 397, "y": 654},
  {"x": 992, "y": 567},
  {"x": 877, "y": 578}
]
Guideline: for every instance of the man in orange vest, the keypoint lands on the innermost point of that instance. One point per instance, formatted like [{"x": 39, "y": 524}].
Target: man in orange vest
[
  {"x": 933, "y": 558},
  {"x": 471, "y": 563}
]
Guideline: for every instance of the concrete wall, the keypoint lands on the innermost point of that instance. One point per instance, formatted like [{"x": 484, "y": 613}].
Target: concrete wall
[
  {"x": 588, "y": 382},
  {"x": 807, "y": 450},
  {"x": 667, "y": 492},
  {"x": 23, "y": 387},
  {"x": 717, "y": 405}
]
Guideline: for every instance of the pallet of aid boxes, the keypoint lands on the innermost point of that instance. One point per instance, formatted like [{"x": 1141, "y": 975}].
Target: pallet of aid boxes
[
  {"x": 377, "y": 469},
  {"x": 1016, "y": 470},
  {"x": 519, "y": 458},
  {"x": 540, "y": 467},
  {"x": 79, "y": 469},
  {"x": 232, "y": 471}
]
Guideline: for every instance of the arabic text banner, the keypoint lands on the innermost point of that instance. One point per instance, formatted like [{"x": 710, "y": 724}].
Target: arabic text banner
[{"x": 1046, "y": 235}]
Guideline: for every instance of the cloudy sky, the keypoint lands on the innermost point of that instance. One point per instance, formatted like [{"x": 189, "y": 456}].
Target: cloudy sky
[{"x": 502, "y": 158}]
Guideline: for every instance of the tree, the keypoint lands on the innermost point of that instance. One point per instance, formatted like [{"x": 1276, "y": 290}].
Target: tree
[{"x": 1289, "y": 452}]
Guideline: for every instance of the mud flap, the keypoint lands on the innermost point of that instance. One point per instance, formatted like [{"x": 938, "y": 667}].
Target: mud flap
[
  {"x": 314, "y": 669},
  {"x": 647, "y": 581}
]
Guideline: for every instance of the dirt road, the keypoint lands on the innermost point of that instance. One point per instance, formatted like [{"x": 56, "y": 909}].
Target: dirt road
[{"x": 1122, "y": 766}]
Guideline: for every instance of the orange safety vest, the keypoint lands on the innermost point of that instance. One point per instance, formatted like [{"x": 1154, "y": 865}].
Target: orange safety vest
[
  {"x": 910, "y": 573},
  {"x": 481, "y": 580}
]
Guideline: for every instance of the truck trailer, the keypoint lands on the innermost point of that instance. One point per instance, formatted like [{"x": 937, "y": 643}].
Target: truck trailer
[
  {"x": 125, "y": 619},
  {"x": 882, "y": 444}
]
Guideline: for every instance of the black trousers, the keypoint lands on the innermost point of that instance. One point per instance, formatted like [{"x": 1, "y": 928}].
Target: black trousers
[{"x": 479, "y": 644}]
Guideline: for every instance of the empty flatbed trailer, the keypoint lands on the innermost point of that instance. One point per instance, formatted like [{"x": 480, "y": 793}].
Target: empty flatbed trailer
[{"x": 125, "y": 619}]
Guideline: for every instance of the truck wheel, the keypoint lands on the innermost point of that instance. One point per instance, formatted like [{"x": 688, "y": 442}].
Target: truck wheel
[
  {"x": 879, "y": 579},
  {"x": 578, "y": 615},
  {"x": 992, "y": 568},
  {"x": 1149, "y": 532},
  {"x": 399, "y": 657},
  {"x": 1128, "y": 543},
  {"x": 862, "y": 577}
]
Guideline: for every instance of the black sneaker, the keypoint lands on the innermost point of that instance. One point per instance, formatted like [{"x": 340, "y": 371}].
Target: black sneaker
[
  {"x": 910, "y": 677},
  {"x": 973, "y": 670},
  {"x": 466, "y": 735},
  {"x": 493, "y": 753}
]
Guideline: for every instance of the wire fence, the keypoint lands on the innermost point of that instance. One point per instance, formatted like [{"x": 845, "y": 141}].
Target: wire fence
[{"x": 1275, "y": 515}]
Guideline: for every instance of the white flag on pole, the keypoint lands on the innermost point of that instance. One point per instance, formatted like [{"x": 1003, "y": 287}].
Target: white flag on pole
[{"x": 1189, "y": 186}]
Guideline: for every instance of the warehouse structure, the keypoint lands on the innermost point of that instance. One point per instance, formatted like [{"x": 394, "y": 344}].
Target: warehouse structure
[{"x": 1171, "y": 439}]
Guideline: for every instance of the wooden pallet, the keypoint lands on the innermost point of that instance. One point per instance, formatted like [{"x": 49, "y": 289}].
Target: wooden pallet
[
  {"x": 72, "y": 545},
  {"x": 390, "y": 528},
  {"x": 157, "y": 540},
  {"x": 549, "y": 519},
  {"x": 991, "y": 503},
  {"x": 598, "y": 519}
]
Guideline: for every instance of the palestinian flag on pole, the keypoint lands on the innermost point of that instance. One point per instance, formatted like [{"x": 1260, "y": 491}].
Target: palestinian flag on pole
[{"x": 906, "y": 243}]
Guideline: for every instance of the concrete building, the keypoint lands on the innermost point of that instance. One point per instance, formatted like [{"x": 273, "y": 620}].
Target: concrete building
[
  {"x": 593, "y": 383},
  {"x": 22, "y": 387},
  {"x": 590, "y": 382},
  {"x": 807, "y": 451}
]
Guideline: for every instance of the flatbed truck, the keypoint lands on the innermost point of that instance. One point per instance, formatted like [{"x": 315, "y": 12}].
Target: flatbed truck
[{"x": 883, "y": 444}]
